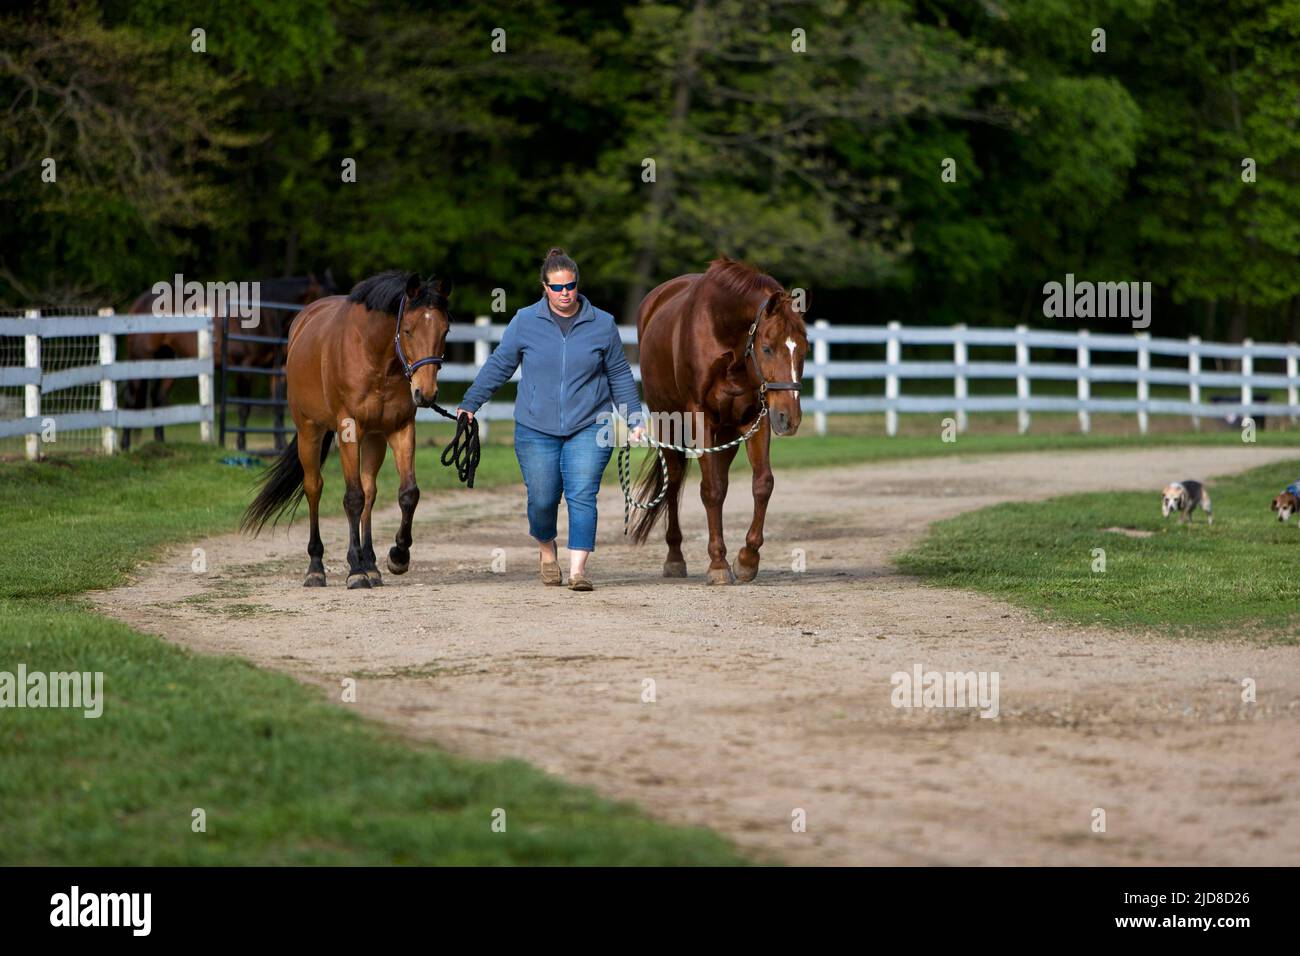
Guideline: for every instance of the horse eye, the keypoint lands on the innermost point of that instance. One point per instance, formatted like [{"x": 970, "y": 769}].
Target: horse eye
[{"x": 767, "y": 350}]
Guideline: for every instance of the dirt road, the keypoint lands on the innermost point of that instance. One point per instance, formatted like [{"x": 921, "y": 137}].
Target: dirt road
[{"x": 775, "y": 697}]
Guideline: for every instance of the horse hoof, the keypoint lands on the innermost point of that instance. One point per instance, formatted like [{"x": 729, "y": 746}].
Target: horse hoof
[
  {"x": 745, "y": 572},
  {"x": 376, "y": 579},
  {"x": 398, "y": 567},
  {"x": 315, "y": 579},
  {"x": 674, "y": 569},
  {"x": 358, "y": 580},
  {"x": 721, "y": 576}
]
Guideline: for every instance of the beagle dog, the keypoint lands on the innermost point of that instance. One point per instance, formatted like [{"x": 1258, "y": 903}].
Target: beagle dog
[
  {"x": 1183, "y": 497},
  {"x": 1288, "y": 502}
]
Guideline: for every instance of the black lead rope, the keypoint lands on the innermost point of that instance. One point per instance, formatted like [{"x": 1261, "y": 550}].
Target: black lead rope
[{"x": 464, "y": 450}]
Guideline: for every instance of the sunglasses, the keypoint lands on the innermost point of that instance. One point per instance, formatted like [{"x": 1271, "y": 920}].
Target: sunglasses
[{"x": 562, "y": 286}]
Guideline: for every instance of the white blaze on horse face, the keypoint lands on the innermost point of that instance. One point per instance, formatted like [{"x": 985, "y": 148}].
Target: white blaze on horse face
[{"x": 789, "y": 343}]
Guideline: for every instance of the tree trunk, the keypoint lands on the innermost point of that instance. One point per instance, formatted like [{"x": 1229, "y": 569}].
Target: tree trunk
[{"x": 661, "y": 191}]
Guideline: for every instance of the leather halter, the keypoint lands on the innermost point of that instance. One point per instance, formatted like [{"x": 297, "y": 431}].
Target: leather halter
[
  {"x": 763, "y": 384},
  {"x": 410, "y": 368}
]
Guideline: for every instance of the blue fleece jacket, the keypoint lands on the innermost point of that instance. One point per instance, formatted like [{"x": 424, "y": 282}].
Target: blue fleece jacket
[{"x": 568, "y": 380}]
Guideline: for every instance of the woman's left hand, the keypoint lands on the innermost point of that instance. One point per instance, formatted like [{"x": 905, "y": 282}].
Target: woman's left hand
[{"x": 637, "y": 435}]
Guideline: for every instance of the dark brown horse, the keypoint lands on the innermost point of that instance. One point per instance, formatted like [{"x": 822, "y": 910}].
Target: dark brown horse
[
  {"x": 267, "y": 321},
  {"x": 358, "y": 366},
  {"x": 716, "y": 346}
]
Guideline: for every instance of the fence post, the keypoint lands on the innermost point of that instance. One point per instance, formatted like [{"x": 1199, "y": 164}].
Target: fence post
[
  {"x": 959, "y": 359},
  {"x": 1143, "y": 385},
  {"x": 1022, "y": 378},
  {"x": 481, "y": 352},
  {"x": 1193, "y": 373},
  {"x": 205, "y": 380},
  {"x": 893, "y": 352},
  {"x": 1290, "y": 378},
  {"x": 1085, "y": 383},
  {"x": 107, "y": 386},
  {"x": 821, "y": 356},
  {"x": 1247, "y": 370},
  {"x": 32, "y": 393}
]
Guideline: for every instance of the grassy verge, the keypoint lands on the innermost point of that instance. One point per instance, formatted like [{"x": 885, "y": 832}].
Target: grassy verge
[
  {"x": 1235, "y": 578},
  {"x": 282, "y": 775}
]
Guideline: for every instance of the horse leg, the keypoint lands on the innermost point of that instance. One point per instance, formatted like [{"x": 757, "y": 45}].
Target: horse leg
[
  {"x": 373, "y": 448},
  {"x": 137, "y": 397},
  {"x": 309, "y": 442},
  {"x": 354, "y": 500},
  {"x": 408, "y": 495},
  {"x": 759, "y": 460},
  {"x": 162, "y": 389},
  {"x": 713, "y": 492},
  {"x": 675, "y": 564}
]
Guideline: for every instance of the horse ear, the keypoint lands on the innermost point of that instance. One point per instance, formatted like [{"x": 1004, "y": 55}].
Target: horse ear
[
  {"x": 773, "y": 303},
  {"x": 442, "y": 287},
  {"x": 412, "y": 284}
]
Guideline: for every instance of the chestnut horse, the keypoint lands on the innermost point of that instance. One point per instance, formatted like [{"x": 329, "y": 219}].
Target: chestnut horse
[
  {"x": 347, "y": 372},
  {"x": 719, "y": 346},
  {"x": 185, "y": 345}
]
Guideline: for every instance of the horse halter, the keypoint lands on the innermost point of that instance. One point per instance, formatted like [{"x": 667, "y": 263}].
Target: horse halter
[
  {"x": 410, "y": 368},
  {"x": 764, "y": 385}
]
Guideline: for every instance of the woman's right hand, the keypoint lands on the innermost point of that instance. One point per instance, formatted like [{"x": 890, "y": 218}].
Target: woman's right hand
[{"x": 465, "y": 411}]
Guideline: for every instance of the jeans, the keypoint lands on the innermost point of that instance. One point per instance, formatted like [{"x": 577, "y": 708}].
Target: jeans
[{"x": 570, "y": 466}]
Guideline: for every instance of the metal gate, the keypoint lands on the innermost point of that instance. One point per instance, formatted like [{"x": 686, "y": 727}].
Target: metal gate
[{"x": 274, "y": 370}]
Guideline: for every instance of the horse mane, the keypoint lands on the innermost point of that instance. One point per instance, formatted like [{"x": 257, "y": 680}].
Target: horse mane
[
  {"x": 383, "y": 293},
  {"x": 739, "y": 277}
]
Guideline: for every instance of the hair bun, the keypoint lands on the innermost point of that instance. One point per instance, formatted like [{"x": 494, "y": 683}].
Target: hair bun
[{"x": 554, "y": 251}]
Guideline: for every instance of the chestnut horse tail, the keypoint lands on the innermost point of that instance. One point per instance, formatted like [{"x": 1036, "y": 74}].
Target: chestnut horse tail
[
  {"x": 648, "y": 486},
  {"x": 281, "y": 488}
]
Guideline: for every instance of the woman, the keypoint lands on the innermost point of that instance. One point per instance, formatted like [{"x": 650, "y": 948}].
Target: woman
[{"x": 573, "y": 367}]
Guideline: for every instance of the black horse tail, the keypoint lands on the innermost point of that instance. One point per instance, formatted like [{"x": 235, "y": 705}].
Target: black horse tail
[
  {"x": 648, "y": 486},
  {"x": 281, "y": 488}
]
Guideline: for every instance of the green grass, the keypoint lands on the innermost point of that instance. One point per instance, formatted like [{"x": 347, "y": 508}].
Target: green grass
[
  {"x": 1235, "y": 578},
  {"x": 283, "y": 776}
]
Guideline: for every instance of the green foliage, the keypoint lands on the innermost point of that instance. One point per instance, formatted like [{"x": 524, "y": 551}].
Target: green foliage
[{"x": 823, "y": 166}]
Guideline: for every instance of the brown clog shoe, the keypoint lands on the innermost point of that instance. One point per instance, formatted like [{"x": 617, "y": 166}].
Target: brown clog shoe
[
  {"x": 580, "y": 582},
  {"x": 551, "y": 573}
]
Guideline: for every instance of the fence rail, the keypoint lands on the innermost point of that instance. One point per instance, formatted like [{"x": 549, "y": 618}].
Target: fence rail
[
  {"x": 107, "y": 371},
  {"x": 820, "y": 371}
]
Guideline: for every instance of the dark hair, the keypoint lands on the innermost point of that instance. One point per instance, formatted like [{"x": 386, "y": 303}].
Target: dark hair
[{"x": 557, "y": 261}]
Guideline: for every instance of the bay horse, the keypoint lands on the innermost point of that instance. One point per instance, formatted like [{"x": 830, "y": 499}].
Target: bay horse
[
  {"x": 185, "y": 345},
  {"x": 719, "y": 345},
  {"x": 347, "y": 373}
]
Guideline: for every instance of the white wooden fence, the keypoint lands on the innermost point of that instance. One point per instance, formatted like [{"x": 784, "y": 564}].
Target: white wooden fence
[
  {"x": 107, "y": 372},
  {"x": 1018, "y": 366},
  {"x": 820, "y": 371}
]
